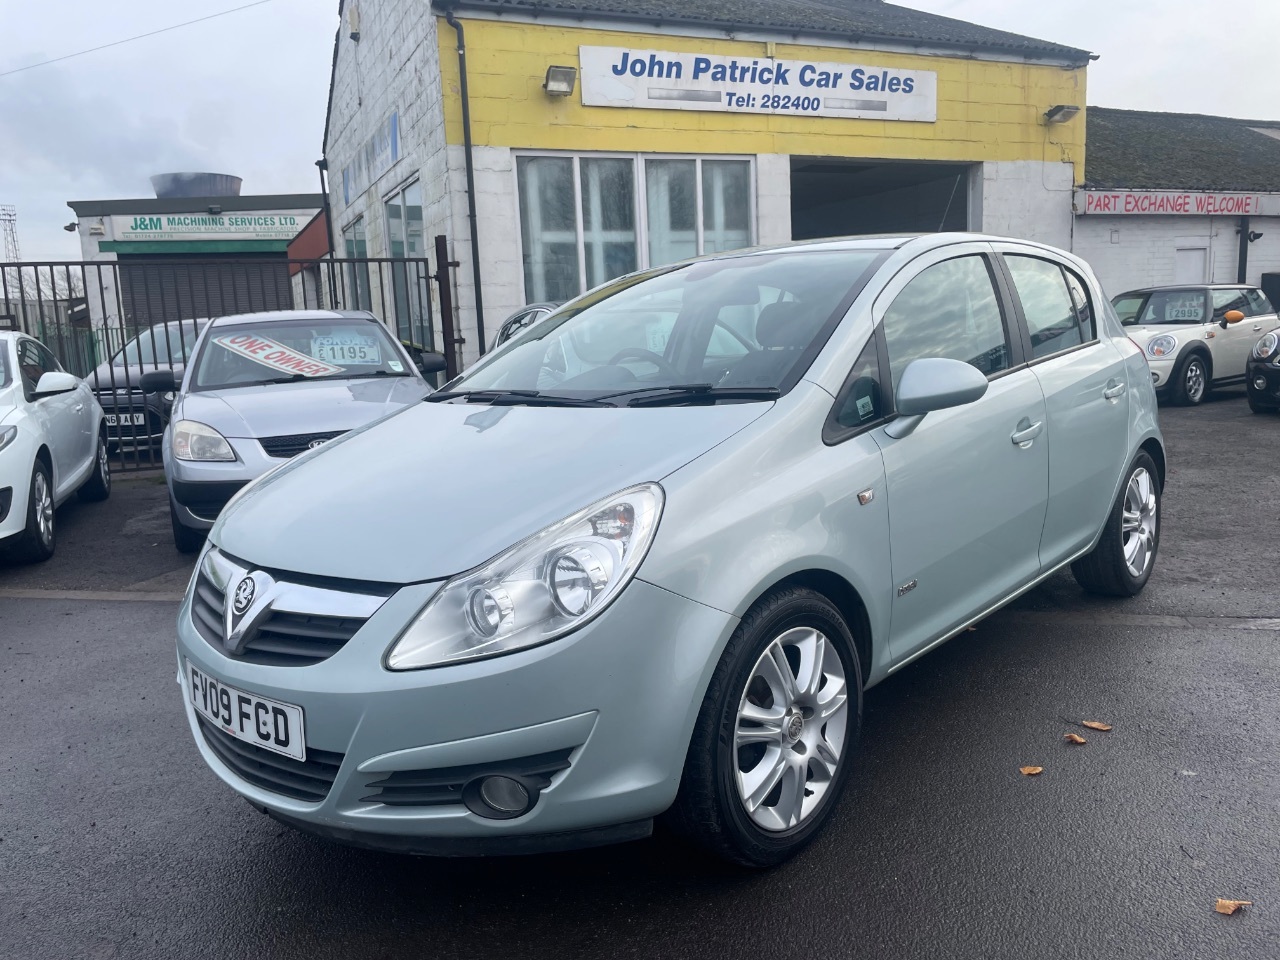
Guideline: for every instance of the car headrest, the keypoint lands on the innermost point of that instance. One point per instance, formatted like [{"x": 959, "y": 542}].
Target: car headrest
[{"x": 785, "y": 324}]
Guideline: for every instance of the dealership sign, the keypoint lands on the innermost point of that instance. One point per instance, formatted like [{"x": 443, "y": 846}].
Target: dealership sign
[
  {"x": 1178, "y": 203},
  {"x": 657, "y": 79},
  {"x": 254, "y": 225}
]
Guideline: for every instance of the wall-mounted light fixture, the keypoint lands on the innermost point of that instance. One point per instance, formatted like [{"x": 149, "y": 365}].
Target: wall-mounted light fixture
[
  {"x": 560, "y": 81},
  {"x": 1061, "y": 113},
  {"x": 215, "y": 208},
  {"x": 72, "y": 227}
]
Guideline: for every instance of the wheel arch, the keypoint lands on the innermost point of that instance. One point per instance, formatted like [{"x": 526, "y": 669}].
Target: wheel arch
[
  {"x": 1153, "y": 448},
  {"x": 847, "y": 600},
  {"x": 1198, "y": 348}
]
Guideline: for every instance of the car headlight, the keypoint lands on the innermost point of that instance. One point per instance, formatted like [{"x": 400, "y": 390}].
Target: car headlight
[
  {"x": 7, "y": 436},
  {"x": 1264, "y": 349},
  {"x": 542, "y": 588},
  {"x": 193, "y": 440},
  {"x": 1162, "y": 346}
]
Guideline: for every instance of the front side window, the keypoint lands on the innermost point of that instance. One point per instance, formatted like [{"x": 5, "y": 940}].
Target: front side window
[
  {"x": 581, "y": 223},
  {"x": 246, "y": 354},
  {"x": 1259, "y": 305},
  {"x": 860, "y": 402},
  {"x": 741, "y": 322},
  {"x": 1227, "y": 300},
  {"x": 34, "y": 361},
  {"x": 1046, "y": 304},
  {"x": 948, "y": 310}
]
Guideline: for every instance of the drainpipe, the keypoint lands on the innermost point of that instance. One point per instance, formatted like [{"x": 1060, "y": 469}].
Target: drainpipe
[
  {"x": 1242, "y": 261},
  {"x": 323, "y": 165},
  {"x": 471, "y": 177}
]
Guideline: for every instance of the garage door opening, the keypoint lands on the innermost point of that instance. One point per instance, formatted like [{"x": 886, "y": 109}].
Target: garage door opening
[{"x": 836, "y": 197}]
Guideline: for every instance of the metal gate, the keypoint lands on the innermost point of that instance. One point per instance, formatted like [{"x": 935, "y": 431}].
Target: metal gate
[{"x": 110, "y": 322}]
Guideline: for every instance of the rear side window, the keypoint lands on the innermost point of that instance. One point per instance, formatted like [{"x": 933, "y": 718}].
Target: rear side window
[
  {"x": 1258, "y": 303},
  {"x": 949, "y": 310},
  {"x": 1083, "y": 305},
  {"x": 1226, "y": 300},
  {"x": 1047, "y": 305}
]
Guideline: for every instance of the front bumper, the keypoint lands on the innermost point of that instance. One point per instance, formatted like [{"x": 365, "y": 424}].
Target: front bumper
[
  {"x": 201, "y": 489},
  {"x": 1161, "y": 371},
  {"x": 618, "y": 698},
  {"x": 1262, "y": 379},
  {"x": 126, "y": 405}
]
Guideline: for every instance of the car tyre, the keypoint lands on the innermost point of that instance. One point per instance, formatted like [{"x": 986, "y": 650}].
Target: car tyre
[
  {"x": 746, "y": 733},
  {"x": 37, "y": 541},
  {"x": 184, "y": 538},
  {"x": 98, "y": 486},
  {"x": 1190, "y": 382},
  {"x": 1121, "y": 563}
]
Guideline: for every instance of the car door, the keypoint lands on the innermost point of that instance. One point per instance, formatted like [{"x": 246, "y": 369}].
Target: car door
[
  {"x": 1261, "y": 314},
  {"x": 1085, "y": 387},
  {"x": 59, "y": 420},
  {"x": 967, "y": 489},
  {"x": 1230, "y": 346}
]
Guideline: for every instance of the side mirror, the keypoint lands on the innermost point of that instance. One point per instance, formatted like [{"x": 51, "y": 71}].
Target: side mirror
[
  {"x": 933, "y": 384},
  {"x": 430, "y": 363},
  {"x": 53, "y": 383},
  {"x": 1231, "y": 316},
  {"x": 157, "y": 381}
]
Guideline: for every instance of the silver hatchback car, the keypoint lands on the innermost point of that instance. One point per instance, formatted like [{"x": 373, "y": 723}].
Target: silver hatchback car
[{"x": 643, "y": 561}]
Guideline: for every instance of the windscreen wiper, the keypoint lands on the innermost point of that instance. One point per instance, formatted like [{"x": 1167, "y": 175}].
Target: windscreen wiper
[
  {"x": 691, "y": 393},
  {"x": 508, "y": 398}
]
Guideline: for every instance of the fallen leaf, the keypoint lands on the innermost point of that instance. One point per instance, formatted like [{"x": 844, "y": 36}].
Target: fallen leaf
[
  {"x": 1030, "y": 771},
  {"x": 1074, "y": 738},
  {"x": 1095, "y": 725},
  {"x": 1229, "y": 907}
]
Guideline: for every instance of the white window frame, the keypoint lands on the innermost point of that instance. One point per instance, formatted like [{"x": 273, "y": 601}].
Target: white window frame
[{"x": 640, "y": 200}]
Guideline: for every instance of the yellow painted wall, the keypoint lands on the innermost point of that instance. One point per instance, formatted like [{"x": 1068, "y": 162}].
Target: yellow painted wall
[{"x": 986, "y": 110}]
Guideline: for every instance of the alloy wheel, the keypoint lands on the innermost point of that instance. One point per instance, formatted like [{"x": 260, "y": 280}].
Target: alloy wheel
[
  {"x": 43, "y": 498},
  {"x": 104, "y": 465},
  {"x": 790, "y": 729},
  {"x": 1195, "y": 381},
  {"x": 1138, "y": 525}
]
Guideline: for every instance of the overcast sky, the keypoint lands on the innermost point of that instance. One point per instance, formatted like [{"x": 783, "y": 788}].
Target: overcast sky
[{"x": 245, "y": 93}]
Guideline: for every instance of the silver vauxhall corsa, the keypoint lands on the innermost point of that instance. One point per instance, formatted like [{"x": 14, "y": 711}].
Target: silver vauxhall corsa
[
  {"x": 644, "y": 559},
  {"x": 263, "y": 387}
]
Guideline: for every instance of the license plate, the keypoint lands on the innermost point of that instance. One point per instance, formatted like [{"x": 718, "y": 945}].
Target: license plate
[
  {"x": 269, "y": 724},
  {"x": 135, "y": 419}
]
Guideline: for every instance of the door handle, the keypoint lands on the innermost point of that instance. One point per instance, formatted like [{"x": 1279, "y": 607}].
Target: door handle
[
  {"x": 1115, "y": 390},
  {"x": 1257, "y": 327},
  {"x": 79, "y": 407},
  {"x": 1026, "y": 431}
]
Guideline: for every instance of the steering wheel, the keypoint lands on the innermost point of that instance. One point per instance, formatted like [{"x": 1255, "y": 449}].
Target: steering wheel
[{"x": 640, "y": 353}]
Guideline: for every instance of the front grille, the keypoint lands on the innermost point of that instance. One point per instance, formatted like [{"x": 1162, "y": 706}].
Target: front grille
[
  {"x": 309, "y": 779},
  {"x": 443, "y": 785},
  {"x": 281, "y": 639},
  {"x": 294, "y": 444}
]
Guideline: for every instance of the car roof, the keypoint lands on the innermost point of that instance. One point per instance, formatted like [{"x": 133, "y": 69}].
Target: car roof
[
  {"x": 1189, "y": 286},
  {"x": 277, "y": 316}
]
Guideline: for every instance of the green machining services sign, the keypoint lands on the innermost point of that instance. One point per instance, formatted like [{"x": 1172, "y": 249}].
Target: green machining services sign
[{"x": 255, "y": 225}]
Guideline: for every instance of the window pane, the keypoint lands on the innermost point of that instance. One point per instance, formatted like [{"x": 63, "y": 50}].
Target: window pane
[
  {"x": 1084, "y": 307},
  {"x": 1046, "y": 303},
  {"x": 395, "y": 227},
  {"x": 948, "y": 310},
  {"x": 1224, "y": 300},
  {"x": 548, "y": 228},
  {"x": 726, "y": 205},
  {"x": 608, "y": 218},
  {"x": 1174, "y": 306},
  {"x": 359, "y": 296},
  {"x": 673, "y": 202},
  {"x": 861, "y": 403},
  {"x": 1258, "y": 303}
]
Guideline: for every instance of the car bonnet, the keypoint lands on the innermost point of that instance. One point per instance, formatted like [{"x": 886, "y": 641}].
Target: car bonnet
[{"x": 443, "y": 487}]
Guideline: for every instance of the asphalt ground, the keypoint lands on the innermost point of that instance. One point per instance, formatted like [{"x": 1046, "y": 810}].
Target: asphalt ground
[{"x": 116, "y": 841}]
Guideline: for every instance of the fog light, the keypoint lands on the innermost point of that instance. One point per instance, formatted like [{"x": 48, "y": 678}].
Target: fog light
[
  {"x": 498, "y": 797},
  {"x": 1260, "y": 383},
  {"x": 1155, "y": 377}
]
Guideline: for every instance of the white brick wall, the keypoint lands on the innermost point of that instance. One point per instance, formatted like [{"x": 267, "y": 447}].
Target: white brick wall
[
  {"x": 1139, "y": 251},
  {"x": 1025, "y": 199}
]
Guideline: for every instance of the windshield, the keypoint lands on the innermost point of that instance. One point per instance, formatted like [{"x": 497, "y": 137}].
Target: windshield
[
  {"x": 733, "y": 323},
  {"x": 163, "y": 345},
  {"x": 283, "y": 350},
  {"x": 1161, "y": 306}
]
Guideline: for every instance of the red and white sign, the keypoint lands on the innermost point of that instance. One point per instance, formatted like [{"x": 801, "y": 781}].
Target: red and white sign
[
  {"x": 1176, "y": 203},
  {"x": 275, "y": 355}
]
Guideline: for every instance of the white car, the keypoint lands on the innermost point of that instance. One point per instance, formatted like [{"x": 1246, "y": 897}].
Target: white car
[
  {"x": 1195, "y": 337},
  {"x": 53, "y": 443}
]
